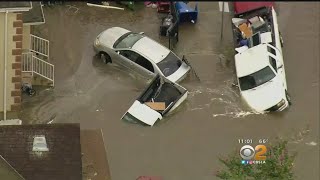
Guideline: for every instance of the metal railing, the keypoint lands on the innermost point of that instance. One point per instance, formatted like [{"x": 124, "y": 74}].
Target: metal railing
[
  {"x": 27, "y": 62},
  {"x": 35, "y": 65},
  {"x": 39, "y": 45}
]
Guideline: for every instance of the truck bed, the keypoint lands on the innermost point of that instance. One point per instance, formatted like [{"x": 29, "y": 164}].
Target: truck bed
[{"x": 250, "y": 25}]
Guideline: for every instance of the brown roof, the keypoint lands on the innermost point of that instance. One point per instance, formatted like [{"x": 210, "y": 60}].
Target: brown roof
[
  {"x": 15, "y": 4},
  {"x": 61, "y": 162}
]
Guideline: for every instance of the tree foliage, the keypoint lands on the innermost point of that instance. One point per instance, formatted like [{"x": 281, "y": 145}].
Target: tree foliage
[{"x": 278, "y": 165}]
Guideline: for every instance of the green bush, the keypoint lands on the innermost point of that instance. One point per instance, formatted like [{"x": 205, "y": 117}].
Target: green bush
[{"x": 278, "y": 165}]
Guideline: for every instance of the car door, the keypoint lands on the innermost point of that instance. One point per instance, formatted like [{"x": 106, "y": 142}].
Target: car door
[
  {"x": 127, "y": 58},
  {"x": 137, "y": 63},
  {"x": 145, "y": 67}
]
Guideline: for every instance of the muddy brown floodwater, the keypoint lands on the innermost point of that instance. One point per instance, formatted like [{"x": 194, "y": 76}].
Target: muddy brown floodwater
[{"x": 186, "y": 144}]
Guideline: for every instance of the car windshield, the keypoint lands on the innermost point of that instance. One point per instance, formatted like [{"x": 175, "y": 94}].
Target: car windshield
[
  {"x": 131, "y": 119},
  {"x": 256, "y": 79},
  {"x": 127, "y": 40},
  {"x": 169, "y": 64}
]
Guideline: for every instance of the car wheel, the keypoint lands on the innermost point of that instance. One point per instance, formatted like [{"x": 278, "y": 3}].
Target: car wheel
[
  {"x": 105, "y": 58},
  {"x": 288, "y": 98}
]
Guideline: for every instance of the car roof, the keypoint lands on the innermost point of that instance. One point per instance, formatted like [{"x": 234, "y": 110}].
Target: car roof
[
  {"x": 111, "y": 35},
  {"x": 252, "y": 60},
  {"x": 151, "y": 49}
]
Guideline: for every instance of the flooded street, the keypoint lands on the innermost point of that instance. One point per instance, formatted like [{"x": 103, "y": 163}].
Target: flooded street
[{"x": 186, "y": 144}]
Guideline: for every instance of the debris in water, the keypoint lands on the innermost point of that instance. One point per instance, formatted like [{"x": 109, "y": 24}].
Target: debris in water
[
  {"x": 103, "y": 6},
  {"x": 97, "y": 110},
  {"x": 312, "y": 143},
  {"x": 51, "y": 119},
  {"x": 198, "y": 108},
  {"x": 299, "y": 136}
]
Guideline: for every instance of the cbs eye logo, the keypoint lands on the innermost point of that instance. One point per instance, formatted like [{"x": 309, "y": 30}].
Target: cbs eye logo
[{"x": 247, "y": 152}]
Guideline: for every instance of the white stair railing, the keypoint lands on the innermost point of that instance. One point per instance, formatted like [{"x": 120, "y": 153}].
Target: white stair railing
[
  {"x": 39, "y": 45},
  {"x": 27, "y": 62},
  {"x": 35, "y": 65}
]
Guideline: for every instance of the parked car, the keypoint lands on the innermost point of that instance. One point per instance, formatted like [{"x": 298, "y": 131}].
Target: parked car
[
  {"x": 160, "y": 98},
  {"x": 259, "y": 60},
  {"x": 139, "y": 53}
]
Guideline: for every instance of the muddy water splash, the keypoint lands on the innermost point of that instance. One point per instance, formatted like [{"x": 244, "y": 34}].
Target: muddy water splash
[{"x": 223, "y": 96}]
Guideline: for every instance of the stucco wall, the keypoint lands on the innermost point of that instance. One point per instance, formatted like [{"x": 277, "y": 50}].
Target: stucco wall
[
  {"x": 26, "y": 37},
  {"x": 14, "y": 49}
]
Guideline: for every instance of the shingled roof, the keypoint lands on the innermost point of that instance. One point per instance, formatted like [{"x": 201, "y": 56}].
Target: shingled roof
[
  {"x": 35, "y": 15},
  {"x": 61, "y": 162},
  {"x": 32, "y": 11},
  {"x": 15, "y": 4}
]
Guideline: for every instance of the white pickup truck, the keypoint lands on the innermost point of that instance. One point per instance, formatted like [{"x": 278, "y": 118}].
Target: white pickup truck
[{"x": 259, "y": 61}]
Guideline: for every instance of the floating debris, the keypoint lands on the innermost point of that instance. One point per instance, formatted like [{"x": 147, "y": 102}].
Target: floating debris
[{"x": 312, "y": 143}]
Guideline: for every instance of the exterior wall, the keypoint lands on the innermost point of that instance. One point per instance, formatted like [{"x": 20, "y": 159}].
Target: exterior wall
[
  {"x": 14, "y": 50},
  {"x": 26, "y": 40}
]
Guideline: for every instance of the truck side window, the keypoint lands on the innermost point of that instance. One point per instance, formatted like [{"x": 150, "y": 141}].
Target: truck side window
[
  {"x": 273, "y": 63},
  {"x": 271, "y": 50}
]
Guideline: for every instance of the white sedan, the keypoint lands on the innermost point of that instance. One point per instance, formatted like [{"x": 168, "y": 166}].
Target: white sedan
[{"x": 140, "y": 54}]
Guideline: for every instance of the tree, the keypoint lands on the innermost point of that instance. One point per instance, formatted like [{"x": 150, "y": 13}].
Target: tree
[{"x": 278, "y": 165}]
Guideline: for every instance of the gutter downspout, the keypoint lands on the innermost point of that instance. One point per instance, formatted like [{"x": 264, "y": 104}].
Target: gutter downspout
[{"x": 5, "y": 67}]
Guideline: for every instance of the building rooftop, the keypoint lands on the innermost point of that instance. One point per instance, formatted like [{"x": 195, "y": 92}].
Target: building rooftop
[
  {"x": 32, "y": 11},
  {"x": 7, "y": 171},
  {"x": 34, "y": 15},
  {"x": 15, "y": 4},
  {"x": 62, "y": 161}
]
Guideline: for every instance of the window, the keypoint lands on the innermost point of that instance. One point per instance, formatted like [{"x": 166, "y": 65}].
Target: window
[
  {"x": 145, "y": 63},
  {"x": 133, "y": 56},
  {"x": 273, "y": 63},
  {"x": 255, "y": 40},
  {"x": 127, "y": 40},
  {"x": 169, "y": 64},
  {"x": 137, "y": 58},
  {"x": 271, "y": 50},
  {"x": 256, "y": 79},
  {"x": 131, "y": 119}
]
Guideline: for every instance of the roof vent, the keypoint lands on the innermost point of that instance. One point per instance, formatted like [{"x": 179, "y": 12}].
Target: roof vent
[{"x": 40, "y": 144}]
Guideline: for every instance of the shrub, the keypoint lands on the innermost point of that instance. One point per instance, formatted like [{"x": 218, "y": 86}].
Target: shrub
[{"x": 278, "y": 165}]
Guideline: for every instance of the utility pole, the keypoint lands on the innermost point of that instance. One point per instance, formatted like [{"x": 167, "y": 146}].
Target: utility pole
[{"x": 222, "y": 23}]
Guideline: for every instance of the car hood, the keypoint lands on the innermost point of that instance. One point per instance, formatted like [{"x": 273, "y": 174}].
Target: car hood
[
  {"x": 111, "y": 35},
  {"x": 180, "y": 73},
  {"x": 264, "y": 96},
  {"x": 144, "y": 113}
]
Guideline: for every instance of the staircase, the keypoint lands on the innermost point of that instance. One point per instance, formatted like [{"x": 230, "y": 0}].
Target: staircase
[{"x": 36, "y": 69}]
